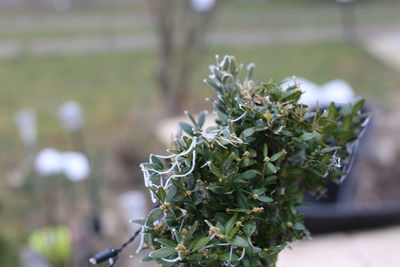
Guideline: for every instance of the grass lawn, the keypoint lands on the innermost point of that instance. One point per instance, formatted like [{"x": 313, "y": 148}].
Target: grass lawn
[{"x": 109, "y": 85}]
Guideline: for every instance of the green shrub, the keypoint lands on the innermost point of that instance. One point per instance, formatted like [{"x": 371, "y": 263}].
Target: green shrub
[{"x": 228, "y": 194}]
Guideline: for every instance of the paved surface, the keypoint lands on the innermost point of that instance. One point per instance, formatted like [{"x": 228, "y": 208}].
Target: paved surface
[
  {"x": 378, "y": 248},
  {"x": 147, "y": 41},
  {"x": 386, "y": 47}
]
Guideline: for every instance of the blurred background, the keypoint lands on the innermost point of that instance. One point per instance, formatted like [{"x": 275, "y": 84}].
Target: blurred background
[{"x": 88, "y": 88}]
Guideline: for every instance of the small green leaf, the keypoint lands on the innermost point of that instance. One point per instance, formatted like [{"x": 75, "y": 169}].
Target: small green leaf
[
  {"x": 161, "y": 194},
  {"x": 332, "y": 111},
  {"x": 163, "y": 252},
  {"x": 277, "y": 156},
  {"x": 248, "y": 132},
  {"x": 270, "y": 179},
  {"x": 246, "y": 162},
  {"x": 265, "y": 150},
  {"x": 202, "y": 119},
  {"x": 329, "y": 149},
  {"x": 233, "y": 232},
  {"x": 249, "y": 229},
  {"x": 253, "y": 153},
  {"x": 215, "y": 170},
  {"x": 171, "y": 193},
  {"x": 310, "y": 136},
  {"x": 147, "y": 258},
  {"x": 240, "y": 210},
  {"x": 240, "y": 242},
  {"x": 265, "y": 199},
  {"x": 202, "y": 242},
  {"x": 299, "y": 226},
  {"x": 258, "y": 191},
  {"x": 191, "y": 118},
  {"x": 166, "y": 242},
  {"x": 156, "y": 161},
  {"x": 229, "y": 224},
  {"x": 250, "y": 174},
  {"x": 241, "y": 199},
  {"x": 358, "y": 106},
  {"x": 217, "y": 88},
  {"x": 139, "y": 221},
  {"x": 222, "y": 117},
  {"x": 153, "y": 216},
  {"x": 186, "y": 128},
  {"x": 272, "y": 167},
  {"x": 192, "y": 229}
]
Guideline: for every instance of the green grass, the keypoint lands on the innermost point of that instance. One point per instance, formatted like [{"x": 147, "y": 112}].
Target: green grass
[{"x": 109, "y": 85}]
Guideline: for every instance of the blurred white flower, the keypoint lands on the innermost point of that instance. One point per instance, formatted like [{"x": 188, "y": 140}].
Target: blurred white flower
[
  {"x": 203, "y": 5},
  {"x": 27, "y": 126},
  {"x": 338, "y": 91},
  {"x": 71, "y": 116},
  {"x": 48, "y": 162},
  {"x": 311, "y": 93},
  {"x": 75, "y": 166}
]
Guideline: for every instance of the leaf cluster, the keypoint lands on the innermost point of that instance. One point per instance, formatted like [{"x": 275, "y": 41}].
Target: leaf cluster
[{"x": 228, "y": 194}]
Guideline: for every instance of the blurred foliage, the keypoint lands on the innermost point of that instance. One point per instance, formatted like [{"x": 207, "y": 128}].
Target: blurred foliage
[
  {"x": 9, "y": 255},
  {"x": 228, "y": 194},
  {"x": 52, "y": 243}
]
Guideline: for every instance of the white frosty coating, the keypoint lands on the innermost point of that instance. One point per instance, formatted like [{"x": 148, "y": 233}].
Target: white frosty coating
[
  {"x": 194, "y": 143},
  {"x": 218, "y": 244},
  {"x": 215, "y": 135},
  {"x": 185, "y": 174},
  {"x": 238, "y": 118},
  {"x": 206, "y": 164},
  {"x": 175, "y": 234},
  {"x": 173, "y": 260},
  {"x": 219, "y": 143},
  {"x": 242, "y": 256},
  {"x": 240, "y": 105},
  {"x": 139, "y": 248},
  {"x": 251, "y": 244},
  {"x": 167, "y": 171}
]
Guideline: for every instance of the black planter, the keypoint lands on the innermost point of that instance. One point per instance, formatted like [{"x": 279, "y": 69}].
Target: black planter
[{"x": 336, "y": 211}]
